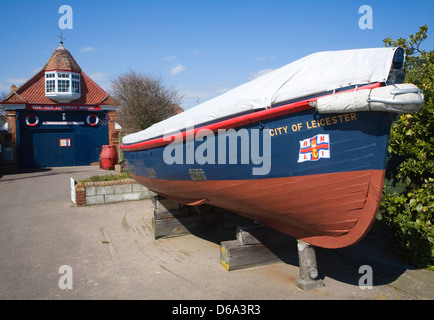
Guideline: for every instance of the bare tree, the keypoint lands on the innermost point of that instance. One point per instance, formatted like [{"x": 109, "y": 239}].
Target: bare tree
[
  {"x": 143, "y": 100},
  {"x": 3, "y": 95}
]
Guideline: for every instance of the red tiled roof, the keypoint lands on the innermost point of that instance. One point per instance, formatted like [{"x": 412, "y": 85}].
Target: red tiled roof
[
  {"x": 61, "y": 59},
  {"x": 33, "y": 91},
  {"x": 177, "y": 109}
]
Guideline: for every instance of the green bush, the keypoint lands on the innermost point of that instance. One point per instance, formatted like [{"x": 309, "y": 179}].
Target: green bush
[
  {"x": 408, "y": 201},
  {"x": 409, "y": 216},
  {"x": 108, "y": 177}
]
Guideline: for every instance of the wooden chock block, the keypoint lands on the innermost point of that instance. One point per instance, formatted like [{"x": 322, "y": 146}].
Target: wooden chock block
[
  {"x": 235, "y": 256},
  {"x": 248, "y": 250},
  {"x": 172, "y": 219}
]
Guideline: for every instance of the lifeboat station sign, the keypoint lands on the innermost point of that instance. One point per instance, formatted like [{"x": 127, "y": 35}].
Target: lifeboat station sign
[{"x": 50, "y": 107}]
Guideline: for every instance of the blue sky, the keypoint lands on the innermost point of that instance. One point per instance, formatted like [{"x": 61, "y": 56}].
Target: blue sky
[{"x": 199, "y": 48}]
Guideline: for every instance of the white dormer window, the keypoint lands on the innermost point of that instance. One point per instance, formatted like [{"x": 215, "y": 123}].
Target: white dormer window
[
  {"x": 75, "y": 83},
  {"x": 62, "y": 86}
]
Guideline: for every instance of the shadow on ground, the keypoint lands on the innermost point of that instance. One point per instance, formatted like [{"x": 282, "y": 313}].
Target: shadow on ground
[
  {"x": 34, "y": 173},
  {"x": 6, "y": 172},
  {"x": 374, "y": 250}
]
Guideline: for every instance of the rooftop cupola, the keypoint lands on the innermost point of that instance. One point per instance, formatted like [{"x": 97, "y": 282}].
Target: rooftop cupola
[{"x": 62, "y": 76}]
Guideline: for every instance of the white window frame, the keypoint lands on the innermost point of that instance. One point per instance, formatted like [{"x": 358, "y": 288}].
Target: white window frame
[
  {"x": 75, "y": 83},
  {"x": 67, "y": 85}
]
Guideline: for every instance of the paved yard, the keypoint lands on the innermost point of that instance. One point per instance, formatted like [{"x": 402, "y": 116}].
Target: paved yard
[{"x": 111, "y": 254}]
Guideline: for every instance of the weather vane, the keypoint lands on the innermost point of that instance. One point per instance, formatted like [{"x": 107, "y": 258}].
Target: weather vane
[{"x": 62, "y": 38}]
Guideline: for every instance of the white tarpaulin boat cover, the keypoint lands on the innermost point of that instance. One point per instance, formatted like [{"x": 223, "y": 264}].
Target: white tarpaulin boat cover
[{"x": 313, "y": 74}]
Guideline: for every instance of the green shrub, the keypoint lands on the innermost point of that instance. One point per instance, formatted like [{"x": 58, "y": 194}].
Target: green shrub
[
  {"x": 409, "y": 215},
  {"x": 108, "y": 177},
  {"x": 408, "y": 202}
]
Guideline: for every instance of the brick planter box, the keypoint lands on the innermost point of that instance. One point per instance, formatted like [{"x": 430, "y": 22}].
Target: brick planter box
[{"x": 92, "y": 193}]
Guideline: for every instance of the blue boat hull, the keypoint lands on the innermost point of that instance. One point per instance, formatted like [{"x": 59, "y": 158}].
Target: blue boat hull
[
  {"x": 358, "y": 141},
  {"x": 320, "y": 181}
]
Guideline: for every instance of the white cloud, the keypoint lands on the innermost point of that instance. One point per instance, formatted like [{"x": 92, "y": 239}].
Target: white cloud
[
  {"x": 200, "y": 94},
  {"x": 101, "y": 79},
  {"x": 98, "y": 76},
  {"x": 223, "y": 90},
  {"x": 4, "y": 87},
  {"x": 87, "y": 49},
  {"x": 36, "y": 70},
  {"x": 193, "y": 98},
  {"x": 254, "y": 75},
  {"x": 16, "y": 81},
  {"x": 169, "y": 58},
  {"x": 178, "y": 69},
  {"x": 194, "y": 95}
]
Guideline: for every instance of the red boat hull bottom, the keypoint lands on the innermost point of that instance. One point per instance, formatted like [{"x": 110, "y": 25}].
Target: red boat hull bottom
[{"x": 326, "y": 210}]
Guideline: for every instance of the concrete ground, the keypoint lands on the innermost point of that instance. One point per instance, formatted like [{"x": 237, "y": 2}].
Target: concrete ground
[{"x": 112, "y": 254}]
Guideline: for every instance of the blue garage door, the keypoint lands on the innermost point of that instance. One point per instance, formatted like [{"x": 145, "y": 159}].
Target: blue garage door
[
  {"x": 53, "y": 148},
  {"x": 54, "y": 142}
]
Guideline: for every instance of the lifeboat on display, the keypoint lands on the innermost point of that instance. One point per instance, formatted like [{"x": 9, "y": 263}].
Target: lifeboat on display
[{"x": 301, "y": 149}]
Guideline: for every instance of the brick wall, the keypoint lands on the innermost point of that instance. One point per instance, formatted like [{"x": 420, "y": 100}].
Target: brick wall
[{"x": 80, "y": 195}]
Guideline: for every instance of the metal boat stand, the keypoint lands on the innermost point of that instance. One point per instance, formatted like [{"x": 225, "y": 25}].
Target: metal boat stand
[{"x": 308, "y": 267}]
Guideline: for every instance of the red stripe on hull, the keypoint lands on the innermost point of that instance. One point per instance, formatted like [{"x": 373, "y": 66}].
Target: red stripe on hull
[
  {"x": 235, "y": 122},
  {"x": 326, "y": 210}
]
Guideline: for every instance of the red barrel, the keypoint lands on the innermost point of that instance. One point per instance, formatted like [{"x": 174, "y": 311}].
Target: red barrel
[{"x": 109, "y": 157}]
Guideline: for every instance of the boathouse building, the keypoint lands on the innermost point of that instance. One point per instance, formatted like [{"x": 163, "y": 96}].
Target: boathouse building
[{"x": 59, "y": 117}]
